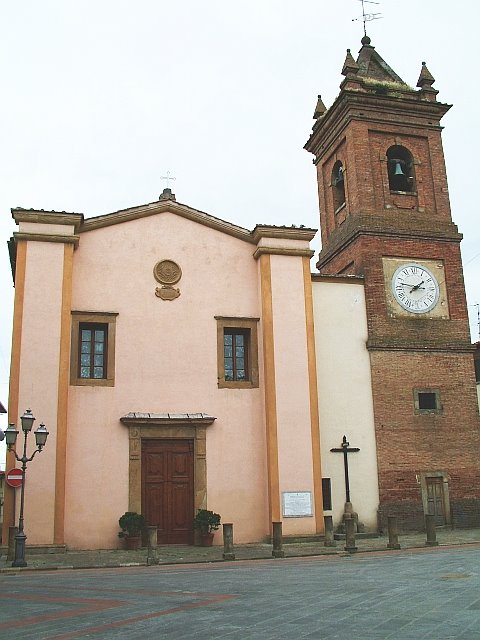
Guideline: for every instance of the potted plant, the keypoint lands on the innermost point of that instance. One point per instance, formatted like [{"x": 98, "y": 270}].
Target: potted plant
[
  {"x": 131, "y": 524},
  {"x": 207, "y": 522}
]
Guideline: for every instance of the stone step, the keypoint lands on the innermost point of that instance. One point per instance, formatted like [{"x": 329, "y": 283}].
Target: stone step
[
  {"x": 366, "y": 535},
  {"x": 303, "y": 539},
  {"x": 298, "y": 539},
  {"x": 35, "y": 549}
]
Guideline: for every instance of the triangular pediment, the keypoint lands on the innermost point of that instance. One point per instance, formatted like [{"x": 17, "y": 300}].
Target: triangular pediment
[{"x": 165, "y": 206}]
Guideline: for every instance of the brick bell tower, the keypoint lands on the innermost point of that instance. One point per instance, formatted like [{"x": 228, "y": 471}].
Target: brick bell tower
[{"x": 385, "y": 215}]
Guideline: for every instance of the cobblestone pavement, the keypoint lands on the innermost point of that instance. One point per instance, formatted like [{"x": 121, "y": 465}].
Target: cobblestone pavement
[
  {"x": 178, "y": 554},
  {"x": 411, "y": 594}
]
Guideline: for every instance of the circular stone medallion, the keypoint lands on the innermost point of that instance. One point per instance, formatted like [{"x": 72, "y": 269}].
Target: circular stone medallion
[{"x": 167, "y": 272}]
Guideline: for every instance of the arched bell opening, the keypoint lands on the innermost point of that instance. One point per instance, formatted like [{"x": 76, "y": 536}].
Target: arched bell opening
[
  {"x": 401, "y": 173},
  {"x": 338, "y": 186}
]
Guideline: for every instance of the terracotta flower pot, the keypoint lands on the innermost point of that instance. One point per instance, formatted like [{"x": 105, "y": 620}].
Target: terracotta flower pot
[
  {"x": 132, "y": 543},
  {"x": 206, "y": 539}
]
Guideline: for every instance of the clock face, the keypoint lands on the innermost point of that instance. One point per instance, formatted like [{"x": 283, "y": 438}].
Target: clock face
[{"x": 415, "y": 288}]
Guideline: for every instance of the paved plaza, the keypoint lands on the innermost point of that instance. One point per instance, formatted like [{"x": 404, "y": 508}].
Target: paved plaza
[{"x": 409, "y": 594}]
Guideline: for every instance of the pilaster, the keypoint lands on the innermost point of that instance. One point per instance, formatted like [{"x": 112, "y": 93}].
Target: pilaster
[
  {"x": 291, "y": 401},
  {"x": 40, "y": 358}
]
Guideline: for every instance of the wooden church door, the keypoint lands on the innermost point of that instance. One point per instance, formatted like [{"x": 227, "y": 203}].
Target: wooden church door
[{"x": 168, "y": 489}]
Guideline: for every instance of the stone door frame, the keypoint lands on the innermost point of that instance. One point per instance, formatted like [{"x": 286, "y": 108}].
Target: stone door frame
[
  {"x": 422, "y": 477},
  {"x": 167, "y": 426}
]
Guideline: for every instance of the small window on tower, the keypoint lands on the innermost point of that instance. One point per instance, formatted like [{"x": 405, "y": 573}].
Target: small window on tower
[
  {"x": 401, "y": 176},
  {"x": 427, "y": 401},
  {"x": 338, "y": 186}
]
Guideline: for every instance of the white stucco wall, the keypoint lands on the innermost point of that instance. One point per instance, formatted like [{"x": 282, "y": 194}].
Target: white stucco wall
[{"x": 345, "y": 396}]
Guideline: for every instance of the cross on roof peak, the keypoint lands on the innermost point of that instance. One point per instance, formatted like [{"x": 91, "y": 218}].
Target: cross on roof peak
[
  {"x": 168, "y": 177},
  {"x": 167, "y": 192}
]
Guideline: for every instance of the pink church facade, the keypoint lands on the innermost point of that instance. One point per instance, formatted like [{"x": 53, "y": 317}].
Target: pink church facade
[{"x": 122, "y": 345}]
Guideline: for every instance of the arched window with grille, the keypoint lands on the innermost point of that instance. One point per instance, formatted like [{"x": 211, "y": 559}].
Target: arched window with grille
[{"x": 401, "y": 172}]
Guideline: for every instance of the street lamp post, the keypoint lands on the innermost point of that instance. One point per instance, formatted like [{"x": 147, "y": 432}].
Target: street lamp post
[{"x": 11, "y": 434}]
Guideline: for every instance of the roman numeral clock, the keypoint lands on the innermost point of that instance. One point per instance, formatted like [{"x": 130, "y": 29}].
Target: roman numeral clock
[{"x": 415, "y": 288}]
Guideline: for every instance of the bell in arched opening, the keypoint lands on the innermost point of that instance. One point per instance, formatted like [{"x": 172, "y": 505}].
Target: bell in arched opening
[{"x": 401, "y": 175}]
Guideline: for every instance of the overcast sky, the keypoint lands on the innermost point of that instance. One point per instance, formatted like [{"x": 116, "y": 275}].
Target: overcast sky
[{"x": 100, "y": 98}]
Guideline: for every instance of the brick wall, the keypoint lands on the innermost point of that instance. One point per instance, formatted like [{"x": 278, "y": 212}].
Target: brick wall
[{"x": 409, "y": 444}]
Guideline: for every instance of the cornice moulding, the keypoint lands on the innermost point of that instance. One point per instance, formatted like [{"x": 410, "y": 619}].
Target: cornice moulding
[
  {"x": 309, "y": 253},
  {"x": 42, "y": 237},
  {"x": 286, "y": 233},
  {"x": 47, "y": 217}
]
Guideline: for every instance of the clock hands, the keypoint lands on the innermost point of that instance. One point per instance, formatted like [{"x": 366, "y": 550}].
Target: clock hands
[
  {"x": 414, "y": 287},
  {"x": 417, "y": 286}
]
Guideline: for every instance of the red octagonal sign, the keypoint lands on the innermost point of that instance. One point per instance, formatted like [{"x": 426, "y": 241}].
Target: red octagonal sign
[{"x": 14, "y": 477}]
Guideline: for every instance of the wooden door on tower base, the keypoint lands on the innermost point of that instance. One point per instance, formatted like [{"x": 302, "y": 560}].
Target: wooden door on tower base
[
  {"x": 168, "y": 489},
  {"x": 435, "y": 500}
]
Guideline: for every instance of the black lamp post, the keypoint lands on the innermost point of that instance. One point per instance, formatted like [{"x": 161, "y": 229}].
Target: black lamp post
[{"x": 11, "y": 434}]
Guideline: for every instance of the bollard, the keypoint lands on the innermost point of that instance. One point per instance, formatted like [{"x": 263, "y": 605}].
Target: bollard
[
  {"x": 350, "y": 535},
  {"x": 228, "y": 552},
  {"x": 392, "y": 533},
  {"x": 329, "y": 539},
  {"x": 277, "y": 551},
  {"x": 431, "y": 535},
  {"x": 12, "y": 532},
  {"x": 152, "y": 553}
]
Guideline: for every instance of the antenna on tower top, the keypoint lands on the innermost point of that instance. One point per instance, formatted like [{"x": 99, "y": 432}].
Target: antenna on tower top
[{"x": 367, "y": 17}]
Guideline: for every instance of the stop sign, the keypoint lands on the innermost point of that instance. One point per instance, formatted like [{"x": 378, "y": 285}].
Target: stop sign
[{"x": 14, "y": 477}]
